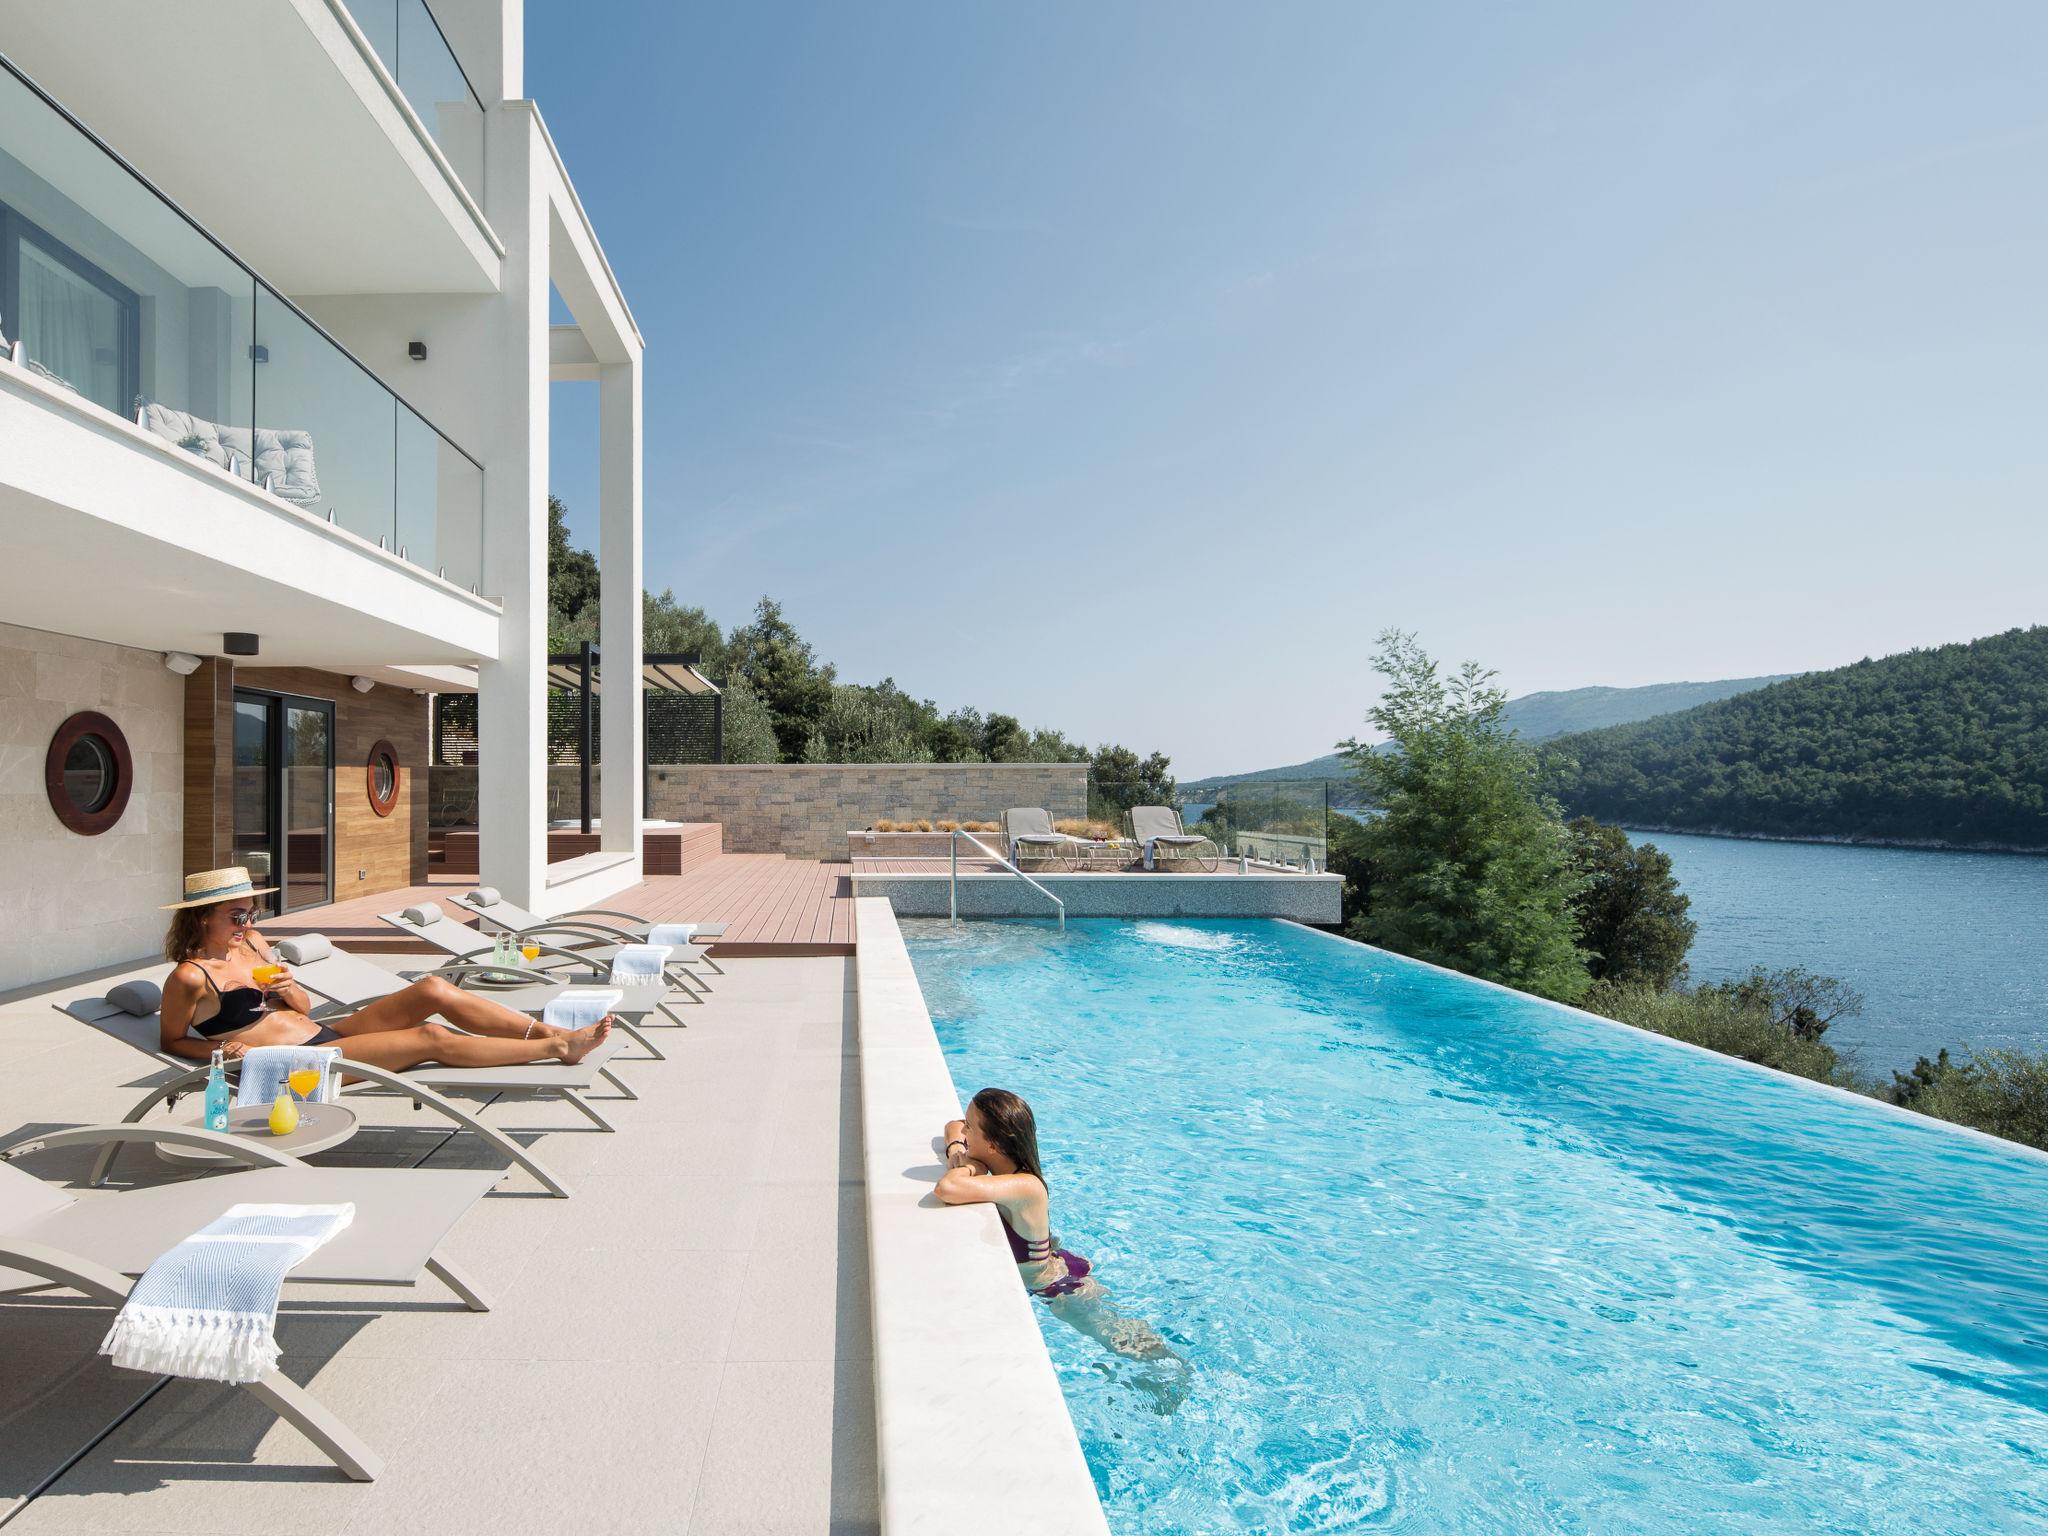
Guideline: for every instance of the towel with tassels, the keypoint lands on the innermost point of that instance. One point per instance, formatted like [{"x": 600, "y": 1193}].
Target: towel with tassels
[
  {"x": 636, "y": 963},
  {"x": 676, "y": 934},
  {"x": 208, "y": 1308},
  {"x": 581, "y": 1008},
  {"x": 266, "y": 1071}
]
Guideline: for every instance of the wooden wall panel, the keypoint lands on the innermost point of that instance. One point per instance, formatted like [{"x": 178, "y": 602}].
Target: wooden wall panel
[{"x": 391, "y": 851}]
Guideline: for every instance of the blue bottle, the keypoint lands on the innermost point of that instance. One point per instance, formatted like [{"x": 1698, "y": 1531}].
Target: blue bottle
[{"x": 217, "y": 1094}]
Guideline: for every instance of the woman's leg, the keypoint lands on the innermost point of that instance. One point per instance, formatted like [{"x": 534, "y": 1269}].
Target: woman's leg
[
  {"x": 396, "y": 1050},
  {"x": 432, "y": 995},
  {"x": 1162, "y": 1374}
]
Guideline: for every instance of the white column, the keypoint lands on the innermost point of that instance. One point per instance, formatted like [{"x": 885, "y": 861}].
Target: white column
[
  {"x": 512, "y": 709},
  {"x": 618, "y": 560}
]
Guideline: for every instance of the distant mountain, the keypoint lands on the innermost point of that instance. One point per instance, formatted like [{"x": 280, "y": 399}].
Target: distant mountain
[
  {"x": 1946, "y": 746},
  {"x": 1537, "y": 717}
]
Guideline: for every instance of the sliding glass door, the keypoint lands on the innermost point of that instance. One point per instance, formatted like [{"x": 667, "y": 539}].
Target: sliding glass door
[{"x": 284, "y": 796}]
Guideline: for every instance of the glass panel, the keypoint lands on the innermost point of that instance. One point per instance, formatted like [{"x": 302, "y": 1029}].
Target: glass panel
[
  {"x": 89, "y": 773},
  {"x": 439, "y": 92},
  {"x": 379, "y": 21},
  {"x": 440, "y": 503},
  {"x": 111, "y": 291},
  {"x": 252, "y": 827},
  {"x": 308, "y": 796},
  {"x": 325, "y": 435}
]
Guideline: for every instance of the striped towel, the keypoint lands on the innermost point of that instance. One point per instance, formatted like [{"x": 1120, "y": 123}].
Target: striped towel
[
  {"x": 639, "y": 962},
  {"x": 265, "y": 1068},
  {"x": 676, "y": 935},
  {"x": 208, "y": 1308},
  {"x": 581, "y": 1007}
]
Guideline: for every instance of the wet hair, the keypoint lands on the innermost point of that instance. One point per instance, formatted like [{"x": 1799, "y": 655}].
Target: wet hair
[
  {"x": 1007, "y": 1121},
  {"x": 187, "y": 933}
]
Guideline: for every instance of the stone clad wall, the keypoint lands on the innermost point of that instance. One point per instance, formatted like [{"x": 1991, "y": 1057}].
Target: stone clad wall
[
  {"x": 805, "y": 810},
  {"x": 67, "y": 902}
]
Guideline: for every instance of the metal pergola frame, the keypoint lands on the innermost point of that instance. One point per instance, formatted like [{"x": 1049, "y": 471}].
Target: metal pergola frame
[{"x": 662, "y": 671}]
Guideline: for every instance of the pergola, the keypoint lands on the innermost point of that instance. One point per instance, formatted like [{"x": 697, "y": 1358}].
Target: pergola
[{"x": 581, "y": 671}]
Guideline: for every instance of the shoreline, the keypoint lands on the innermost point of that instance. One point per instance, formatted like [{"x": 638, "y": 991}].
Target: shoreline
[{"x": 1922, "y": 845}]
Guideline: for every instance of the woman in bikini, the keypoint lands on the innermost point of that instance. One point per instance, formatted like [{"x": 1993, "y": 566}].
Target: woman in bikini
[
  {"x": 992, "y": 1157},
  {"x": 212, "y": 1000}
]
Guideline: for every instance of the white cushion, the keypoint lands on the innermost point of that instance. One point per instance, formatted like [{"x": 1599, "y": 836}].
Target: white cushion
[
  {"x": 304, "y": 949},
  {"x": 141, "y": 998}
]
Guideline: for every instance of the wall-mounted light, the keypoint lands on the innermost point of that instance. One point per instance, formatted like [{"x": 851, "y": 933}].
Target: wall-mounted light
[
  {"x": 362, "y": 684},
  {"x": 183, "y": 663},
  {"x": 416, "y": 350},
  {"x": 238, "y": 642}
]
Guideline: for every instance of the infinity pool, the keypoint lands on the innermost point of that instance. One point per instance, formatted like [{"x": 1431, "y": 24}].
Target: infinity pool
[{"x": 1448, "y": 1259}]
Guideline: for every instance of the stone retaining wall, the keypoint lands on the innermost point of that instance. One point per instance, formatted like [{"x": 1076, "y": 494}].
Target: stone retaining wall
[{"x": 805, "y": 810}]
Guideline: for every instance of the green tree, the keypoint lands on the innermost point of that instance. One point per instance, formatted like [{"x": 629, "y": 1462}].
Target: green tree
[
  {"x": 1119, "y": 779},
  {"x": 780, "y": 666},
  {"x": 1471, "y": 865},
  {"x": 749, "y": 726},
  {"x": 572, "y": 579},
  {"x": 1630, "y": 912}
]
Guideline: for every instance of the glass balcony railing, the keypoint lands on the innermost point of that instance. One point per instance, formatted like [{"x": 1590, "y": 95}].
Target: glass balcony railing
[
  {"x": 409, "y": 41},
  {"x": 107, "y": 290}
]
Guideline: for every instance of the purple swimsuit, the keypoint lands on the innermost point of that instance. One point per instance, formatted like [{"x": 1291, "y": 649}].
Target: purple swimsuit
[{"x": 1037, "y": 1251}]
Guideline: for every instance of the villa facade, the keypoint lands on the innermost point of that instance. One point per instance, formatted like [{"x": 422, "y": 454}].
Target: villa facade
[{"x": 275, "y": 359}]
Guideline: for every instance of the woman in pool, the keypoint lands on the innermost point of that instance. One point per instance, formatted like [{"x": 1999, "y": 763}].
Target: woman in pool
[
  {"x": 212, "y": 1000},
  {"x": 992, "y": 1157}
]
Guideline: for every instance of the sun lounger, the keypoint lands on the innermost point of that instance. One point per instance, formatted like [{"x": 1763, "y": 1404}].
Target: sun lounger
[
  {"x": 98, "y": 1240},
  {"x": 350, "y": 982},
  {"x": 559, "y": 943},
  {"x": 129, "y": 1014},
  {"x": 1030, "y": 827},
  {"x": 1159, "y": 831},
  {"x": 621, "y": 927}
]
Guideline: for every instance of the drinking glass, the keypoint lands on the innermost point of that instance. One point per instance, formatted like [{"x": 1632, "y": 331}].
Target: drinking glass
[
  {"x": 530, "y": 951},
  {"x": 305, "y": 1081}
]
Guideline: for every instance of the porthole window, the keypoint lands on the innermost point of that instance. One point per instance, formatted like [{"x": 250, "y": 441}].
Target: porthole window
[
  {"x": 383, "y": 778},
  {"x": 88, "y": 773}
]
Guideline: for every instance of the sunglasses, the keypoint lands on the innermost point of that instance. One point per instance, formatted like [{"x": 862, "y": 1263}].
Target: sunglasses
[{"x": 241, "y": 917}]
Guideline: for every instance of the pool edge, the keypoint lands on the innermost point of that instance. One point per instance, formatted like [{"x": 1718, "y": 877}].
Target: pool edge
[
  {"x": 972, "y": 1430},
  {"x": 1899, "y": 1112}
]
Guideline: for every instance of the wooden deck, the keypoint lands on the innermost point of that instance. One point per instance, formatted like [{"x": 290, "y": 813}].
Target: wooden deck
[{"x": 770, "y": 906}]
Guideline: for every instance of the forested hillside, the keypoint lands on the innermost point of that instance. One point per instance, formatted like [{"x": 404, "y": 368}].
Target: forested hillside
[
  {"x": 1948, "y": 745},
  {"x": 1535, "y": 717}
]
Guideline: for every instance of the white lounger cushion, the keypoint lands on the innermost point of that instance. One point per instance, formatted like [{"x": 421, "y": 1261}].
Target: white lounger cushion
[
  {"x": 304, "y": 949},
  {"x": 141, "y": 998}
]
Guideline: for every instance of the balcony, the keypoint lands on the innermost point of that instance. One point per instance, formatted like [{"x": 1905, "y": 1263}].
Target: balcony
[
  {"x": 337, "y": 148},
  {"x": 120, "y": 306}
]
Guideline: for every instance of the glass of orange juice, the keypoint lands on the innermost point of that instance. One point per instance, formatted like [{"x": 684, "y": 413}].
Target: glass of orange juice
[
  {"x": 530, "y": 951},
  {"x": 266, "y": 974},
  {"x": 305, "y": 1081}
]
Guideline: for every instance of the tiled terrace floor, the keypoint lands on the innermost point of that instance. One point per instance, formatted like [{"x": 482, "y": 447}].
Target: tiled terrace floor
[
  {"x": 683, "y": 1345},
  {"x": 767, "y": 902}
]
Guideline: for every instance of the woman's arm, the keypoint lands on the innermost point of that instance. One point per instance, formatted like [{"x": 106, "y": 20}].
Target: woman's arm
[
  {"x": 181, "y": 997},
  {"x": 956, "y": 1145},
  {"x": 971, "y": 1184}
]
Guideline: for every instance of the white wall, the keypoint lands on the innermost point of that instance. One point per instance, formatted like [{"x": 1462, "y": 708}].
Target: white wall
[{"x": 70, "y": 903}]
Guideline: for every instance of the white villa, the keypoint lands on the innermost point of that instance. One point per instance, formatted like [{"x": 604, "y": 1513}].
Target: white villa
[{"x": 275, "y": 294}]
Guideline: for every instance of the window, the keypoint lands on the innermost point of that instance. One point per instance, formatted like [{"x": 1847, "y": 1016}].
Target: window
[
  {"x": 383, "y": 778},
  {"x": 78, "y": 325},
  {"x": 88, "y": 773}
]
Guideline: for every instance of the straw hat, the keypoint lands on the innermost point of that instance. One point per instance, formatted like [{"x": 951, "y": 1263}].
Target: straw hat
[{"x": 212, "y": 885}]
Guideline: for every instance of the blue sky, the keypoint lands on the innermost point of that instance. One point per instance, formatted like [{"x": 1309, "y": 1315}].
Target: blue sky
[{"x": 1128, "y": 368}]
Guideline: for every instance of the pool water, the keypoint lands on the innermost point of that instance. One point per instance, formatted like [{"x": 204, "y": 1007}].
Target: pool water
[{"x": 1443, "y": 1258}]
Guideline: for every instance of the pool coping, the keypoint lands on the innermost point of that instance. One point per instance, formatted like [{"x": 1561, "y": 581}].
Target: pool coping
[
  {"x": 1849, "y": 1095},
  {"x": 972, "y": 1431}
]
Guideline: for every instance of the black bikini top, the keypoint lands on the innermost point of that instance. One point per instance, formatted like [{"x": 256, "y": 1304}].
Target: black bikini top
[{"x": 239, "y": 1008}]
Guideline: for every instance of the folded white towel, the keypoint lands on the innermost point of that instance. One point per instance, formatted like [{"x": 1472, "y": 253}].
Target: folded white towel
[
  {"x": 581, "y": 1007},
  {"x": 265, "y": 1068},
  {"x": 640, "y": 963},
  {"x": 208, "y": 1308},
  {"x": 673, "y": 934}
]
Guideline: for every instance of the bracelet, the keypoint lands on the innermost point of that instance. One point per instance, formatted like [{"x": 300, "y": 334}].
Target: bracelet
[{"x": 960, "y": 1144}]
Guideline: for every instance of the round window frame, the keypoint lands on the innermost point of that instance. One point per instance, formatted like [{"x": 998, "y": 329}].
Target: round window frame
[
  {"x": 77, "y": 728},
  {"x": 385, "y": 805}
]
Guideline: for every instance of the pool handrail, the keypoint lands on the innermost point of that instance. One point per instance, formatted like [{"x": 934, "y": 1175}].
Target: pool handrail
[{"x": 953, "y": 881}]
